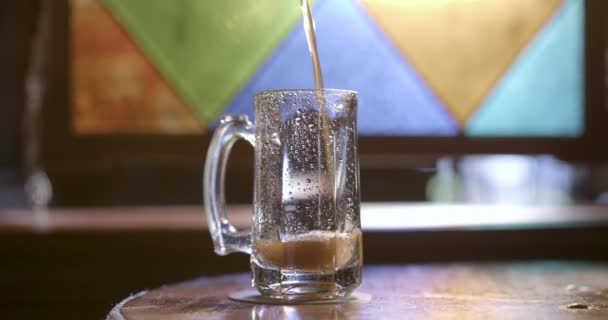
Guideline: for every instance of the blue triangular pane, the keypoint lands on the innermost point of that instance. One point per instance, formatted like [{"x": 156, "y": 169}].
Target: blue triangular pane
[
  {"x": 543, "y": 92},
  {"x": 355, "y": 55}
]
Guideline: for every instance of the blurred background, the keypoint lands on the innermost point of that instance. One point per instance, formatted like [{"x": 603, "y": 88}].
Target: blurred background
[{"x": 108, "y": 107}]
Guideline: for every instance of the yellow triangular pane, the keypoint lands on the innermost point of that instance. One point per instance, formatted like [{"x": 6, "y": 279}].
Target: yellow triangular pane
[{"x": 461, "y": 47}]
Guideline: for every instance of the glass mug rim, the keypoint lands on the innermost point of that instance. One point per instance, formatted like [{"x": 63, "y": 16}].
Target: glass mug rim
[{"x": 305, "y": 91}]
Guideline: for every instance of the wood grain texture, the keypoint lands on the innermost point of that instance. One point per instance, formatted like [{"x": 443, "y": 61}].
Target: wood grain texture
[{"x": 524, "y": 290}]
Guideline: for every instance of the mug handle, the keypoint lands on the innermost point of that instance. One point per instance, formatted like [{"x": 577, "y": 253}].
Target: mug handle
[{"x": 226, "y": 238}]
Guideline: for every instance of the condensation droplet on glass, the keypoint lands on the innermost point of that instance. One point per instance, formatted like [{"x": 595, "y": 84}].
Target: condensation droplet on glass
[
  {"x": 339, "y": 107},
  {"x": 308, "y": 181},
  {"x": 275, "y": 139},
  {"x": 299, "y": 111},
  {"x": 311, "y": 126},
  {"x": 298, "y": 120}
]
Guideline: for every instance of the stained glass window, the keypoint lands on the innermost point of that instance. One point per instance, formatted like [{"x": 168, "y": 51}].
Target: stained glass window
[{"x": 421, "y": 67}]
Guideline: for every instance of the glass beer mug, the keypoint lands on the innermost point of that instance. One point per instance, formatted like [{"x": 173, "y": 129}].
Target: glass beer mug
[{"x": 306, "y": 240}]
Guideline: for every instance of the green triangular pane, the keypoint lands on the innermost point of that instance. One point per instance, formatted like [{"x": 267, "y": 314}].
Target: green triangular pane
[{"x": 207, "y": 49}]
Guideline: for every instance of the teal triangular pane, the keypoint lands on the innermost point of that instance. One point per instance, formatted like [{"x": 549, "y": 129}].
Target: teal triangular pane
[
  {"x": 543, "y": 92},
  {"x": 207, "y": 49}
]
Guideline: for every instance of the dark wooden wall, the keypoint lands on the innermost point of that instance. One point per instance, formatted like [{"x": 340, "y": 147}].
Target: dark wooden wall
[{"x": 16, "y": 27}]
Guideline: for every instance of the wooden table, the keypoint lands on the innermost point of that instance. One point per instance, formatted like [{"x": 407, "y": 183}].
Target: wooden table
[
  {"x": 91, "y": 258},
  {"x": 518, "y": 290}
]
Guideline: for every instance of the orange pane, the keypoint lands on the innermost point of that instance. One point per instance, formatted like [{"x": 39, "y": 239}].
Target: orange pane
[{"x": 115, "y": 89}]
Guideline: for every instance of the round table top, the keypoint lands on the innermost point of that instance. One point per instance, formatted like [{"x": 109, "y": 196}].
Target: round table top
[{"x": 521, "y": 290}]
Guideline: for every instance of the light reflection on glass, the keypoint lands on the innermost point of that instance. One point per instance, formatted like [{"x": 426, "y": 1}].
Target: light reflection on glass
[{"x": 285, "y": 312}]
